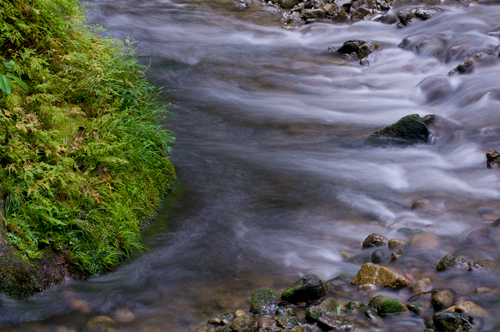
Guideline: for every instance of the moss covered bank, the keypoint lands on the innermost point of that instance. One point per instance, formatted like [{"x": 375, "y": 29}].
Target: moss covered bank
[{"x": 83, "y": 158}]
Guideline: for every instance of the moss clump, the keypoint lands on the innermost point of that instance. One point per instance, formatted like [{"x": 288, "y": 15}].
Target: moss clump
[
  {"x": 264, "y": 301},
  {"x": 411, "y": 127},
  {"x": 83, "y": 159},
  {"x": 391, "y": 307}
]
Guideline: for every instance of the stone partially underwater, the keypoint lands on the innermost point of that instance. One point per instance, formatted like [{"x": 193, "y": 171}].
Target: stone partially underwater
[{"x": 411, "y": 128}]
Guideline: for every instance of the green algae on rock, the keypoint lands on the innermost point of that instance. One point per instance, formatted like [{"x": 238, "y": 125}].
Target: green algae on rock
[
  {"x": 264, "y": 301},
  {"x": 314, "y": 312},
  {"x": 307, "y": 288},
  {"x": 410, "y": 128},
  {"x": 379, "y": 275},
  {"x": 391, "y": 307}
]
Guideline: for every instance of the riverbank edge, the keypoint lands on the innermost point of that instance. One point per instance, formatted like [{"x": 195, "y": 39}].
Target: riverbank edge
[{"x": 85, "y": 163}]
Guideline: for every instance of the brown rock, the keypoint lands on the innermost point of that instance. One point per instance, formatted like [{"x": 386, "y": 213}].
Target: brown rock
[
  {"x": 379, "y": 275},
  {"x": 427, "y": 241},
  {"x": 492, "y": 158},
  {"x": 374, "y": 240}
]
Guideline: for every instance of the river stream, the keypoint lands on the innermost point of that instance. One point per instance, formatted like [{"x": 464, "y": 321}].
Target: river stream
[{"x": 277, "y": 175}]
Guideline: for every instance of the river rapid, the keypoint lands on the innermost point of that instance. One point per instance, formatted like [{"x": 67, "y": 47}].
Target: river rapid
[{"x": 277, "y": 175}]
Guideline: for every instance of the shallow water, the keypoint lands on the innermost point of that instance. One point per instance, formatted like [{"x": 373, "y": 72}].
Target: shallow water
[{"x": 277, "y": 176}]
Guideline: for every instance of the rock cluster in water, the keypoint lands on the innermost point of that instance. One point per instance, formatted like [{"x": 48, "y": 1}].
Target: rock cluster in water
[{"x": 311, "y": 304}]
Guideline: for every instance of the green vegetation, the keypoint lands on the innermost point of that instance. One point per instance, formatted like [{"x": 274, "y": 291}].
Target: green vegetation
[{"x": 83, "y": 158}]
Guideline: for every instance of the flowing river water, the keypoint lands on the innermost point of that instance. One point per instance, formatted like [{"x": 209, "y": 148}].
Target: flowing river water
[{"x": 277, "y": 175}]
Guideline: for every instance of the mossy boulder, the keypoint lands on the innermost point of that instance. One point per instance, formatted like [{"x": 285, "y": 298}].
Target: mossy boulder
[
  {"x": 242, "y": 322},
  {"x": 306, "y": 289},
  {"x": 409, "y": 128},
  {"x": 452, "y": 321},
  {"x": 391, "y": 307},
  {"x": 314, "y": 312},
  {"x": 379, "y": 275},
  {"x": 264, "y": 301},
  {"x": 451, "y": 262}
]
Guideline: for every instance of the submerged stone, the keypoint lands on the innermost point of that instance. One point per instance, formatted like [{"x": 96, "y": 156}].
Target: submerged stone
[
  {"x": 335, "y": 323},
  {"x": 306, "y": 289},
  {"x": 380, "y": 256},
  {"x": 442, "y": 299},
  {"x": 451, "y": 262},
  {"x": 314, "y": 312},
  {"x": 379, "y": 275},
  {"x": 452, "y": 322},
  {"x": 492, "y": 158},
  {"x": 411, "y": 128},
  {"x": 374, "y": 240},
  {"x": 264, "y": 301},
  {"x": 485, "y": 264},
  {"x": 419, "y": 307},
  {"x": 355, "y": 305}
]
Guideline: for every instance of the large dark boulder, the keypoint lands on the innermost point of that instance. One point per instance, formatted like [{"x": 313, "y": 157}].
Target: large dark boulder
[
  {"x": 306, "y": 289},
  {"x": 411, "y": 128}
]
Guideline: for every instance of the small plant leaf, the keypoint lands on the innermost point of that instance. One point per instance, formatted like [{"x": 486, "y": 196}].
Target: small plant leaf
[
  {"x": 339, "y": 309},
  {"x": 9, "y": 64},
  {"x": 5, "y": 84},
  {"x": 18, "y": 80}
]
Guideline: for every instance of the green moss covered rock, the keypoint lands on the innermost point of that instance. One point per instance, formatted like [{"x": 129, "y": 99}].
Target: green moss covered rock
[
  {"x": 264, "y": 301},
  {"x": 306, "y": 289},
  {"x": 314, "y": 312},
  {"x": 411, "y": 128},
  {"x": 452, "y": 322},
  {"x": 391, "y": 307}
]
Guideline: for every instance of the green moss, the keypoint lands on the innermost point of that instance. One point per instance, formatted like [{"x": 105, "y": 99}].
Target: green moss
[
  {"x": 84, "y": 158},
  {"x": 411, "y": 127},
  {"x": 391, "y": 307},
  {"x": 264, "y": 301}
]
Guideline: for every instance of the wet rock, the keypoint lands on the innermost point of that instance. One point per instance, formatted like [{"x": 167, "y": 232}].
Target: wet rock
[
  {"x": 366, "y": 49},
  {"x": 264, "y": 301},
  {"x": 225, "y": 328},
  {"x": 373, "y": 306},
  {"x": 492, "y": 158},
  {"x": 395, "y": 244},
  {"x": 359, "y": 13},
  {"x": 471, "y": 309},
  {"x": 379, "y": 275},
  {"x": 313, "y": 13},
  {"x": 419, "y": 308},
  {"x": 485, "y": 264},
  {"x": 421, "y": 286},
  {"x": 339, "y": 14},
  {"x": 222, "y": 319},
  {"x": 427, "y": 241},
  {"x": 367, "y": 287},
  {"x": 442, "y": 299},
  {"x": 287, "y": 4},
  {"x": 287, "y": 321},
  {"x": 436, "y": 89},
  {"x": 380, "y": 256},
  {"x": 452, "y": 322},
  {"x": 426, "y": 13},
  {"x": 306, "y": 289},
  {"x": 242, "y": 322},
  {"x": 265, "y": 322},
  {"x": 314, "y": 312},
  {"x": 406, "y": 17},
  {"x": 354, "y": 305},
  {"x": 391, "y": 307},
  {"x": 374, "y": 240},
  {"x": 351, "y": 46},
  {"x": 410, "y": 128},
  {"x": 451, "y": 262},
  {"x": 335, "y": 323}
]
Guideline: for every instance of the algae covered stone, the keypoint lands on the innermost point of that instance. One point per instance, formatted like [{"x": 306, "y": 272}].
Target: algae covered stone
[
  {"x": 451, "y": 262},
  {"x": 391, "y": 307},
  {"x": 314, "y": 312},
  {"x": 452, "y": 321},
  {"x": 264, "y": 301},
  {"x": 379, "y": 275},
  {"x": 306, "y": 289},
  {"x": 411, "y": 128},
  {"x": 242, "y": 322}
]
